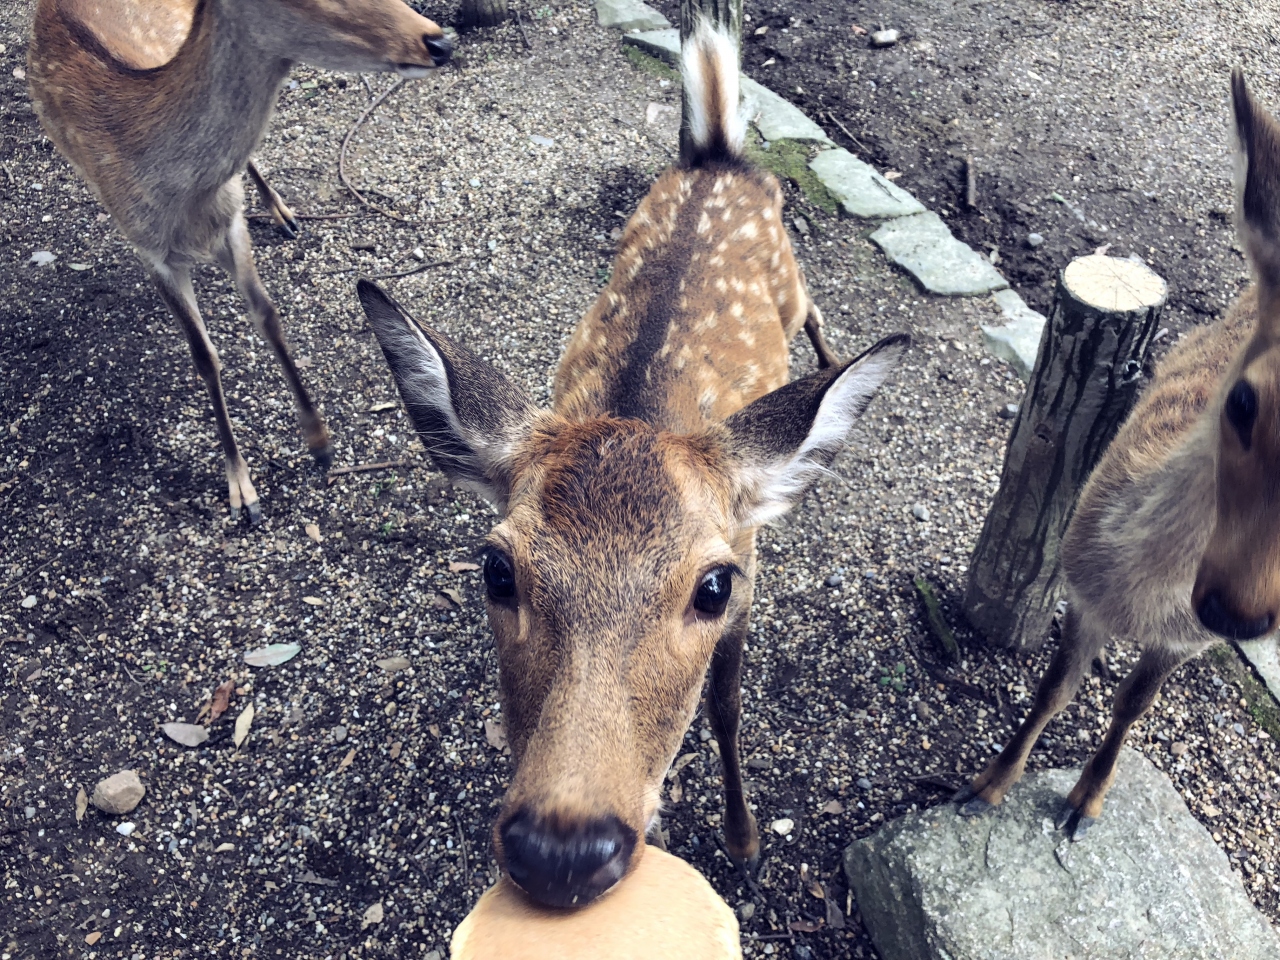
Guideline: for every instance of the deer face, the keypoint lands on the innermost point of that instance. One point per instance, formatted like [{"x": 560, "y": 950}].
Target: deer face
[
  {"x": 624, "y": 557},
  {"x": 356, "y": 35},
  {"x": 1237, "y": 587}
]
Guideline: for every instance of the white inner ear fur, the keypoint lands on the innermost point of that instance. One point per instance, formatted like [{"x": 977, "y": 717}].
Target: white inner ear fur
[
  {"x": 779, "y": 485},
  {"x": 724, "y": 51}
]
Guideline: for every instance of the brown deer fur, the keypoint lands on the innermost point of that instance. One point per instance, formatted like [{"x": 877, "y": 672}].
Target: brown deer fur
[
  {"x": 1175, "y": 541},
  {"x": 674, "y": 434},
  {"x": 158, "y": 104}
]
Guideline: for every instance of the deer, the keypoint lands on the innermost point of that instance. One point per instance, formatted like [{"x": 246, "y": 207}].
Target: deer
[
  {"x": 621, "y": 571},
  {"x": 1175, "y": 538},
  {"x": 158, "y": 106}
]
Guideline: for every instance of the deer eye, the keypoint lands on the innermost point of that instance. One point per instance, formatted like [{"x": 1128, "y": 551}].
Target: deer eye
[
  {"x": 714, "y": 591},
  {"x": 1242, "y": 410},
  {"x": 499, "y": 576}
]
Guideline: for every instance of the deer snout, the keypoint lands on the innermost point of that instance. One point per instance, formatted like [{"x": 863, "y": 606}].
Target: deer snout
[
  {"x": 566, "y": 865},
  {"x": 439, "y": 49},
  {"x": 1216, "y": 615}
]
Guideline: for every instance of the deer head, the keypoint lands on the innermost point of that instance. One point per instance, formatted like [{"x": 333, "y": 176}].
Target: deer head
[
  {"x": 1237, "y": 587},
  {"x": 357, "y": 35},
  {"x": 624, "y": 556}
]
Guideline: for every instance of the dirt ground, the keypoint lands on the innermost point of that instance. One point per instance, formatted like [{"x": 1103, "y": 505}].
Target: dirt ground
[{"x": 127, "y": 596}]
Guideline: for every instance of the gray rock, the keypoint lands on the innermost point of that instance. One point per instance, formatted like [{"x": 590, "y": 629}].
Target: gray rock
[
  {"x": 884, "y": 38},
  {"x": 630, "y": 15},
  {"x": 801, "y": 225},
  {"x": 1009, "y": 411},
  {"x": 119, "y": 793},
  {"x": 835, "y": 580},
  {"x": 1017, "y": 342},
  {"x": 746, "y": 911},
  {"x": 339, "y": 733},
  {"x": 864, "y": 783},
  {"x": 776, "y": 118},
  {"x": 924, "y": 247},
  {"x": 661, "y": 44},
  {"x": 920, "y": 512},
  {"x": 1264, "y": 654},
  {"x": 1034, "y": 240},
  {"x": 1147, "y": 882},
  {"x": 861, "y": 191}
]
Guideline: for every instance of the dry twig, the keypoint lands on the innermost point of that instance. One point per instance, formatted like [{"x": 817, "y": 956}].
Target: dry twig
[{"x": 366, "y": 468}]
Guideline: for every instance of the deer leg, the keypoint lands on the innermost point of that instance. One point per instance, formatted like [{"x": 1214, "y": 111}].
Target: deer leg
[
  {"x": 813, "y": 327},
  {"x": 1133, "y": 698},
  {"x": 724, "y": 709},
  {"x": 236, "y": 257},
  {"x": 175, "y": 288},
  {"x": 286, "y": 222},
  {"x": 1057, "y": 687}
]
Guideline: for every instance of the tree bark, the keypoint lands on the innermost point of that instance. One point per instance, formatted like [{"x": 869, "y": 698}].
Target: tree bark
[
  {"x": 725, "y": 13},
  {"x": 481, "y": 13},
  {"x": 1088, "y": 373}
]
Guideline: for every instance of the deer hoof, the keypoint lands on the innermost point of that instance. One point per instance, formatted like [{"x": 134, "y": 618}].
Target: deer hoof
[
  {"x": 964, "y": 793},
  {"x": 287, "y": 224},
  {"x": 255, "y": 513},
  {"x": 975, "y": 807}
]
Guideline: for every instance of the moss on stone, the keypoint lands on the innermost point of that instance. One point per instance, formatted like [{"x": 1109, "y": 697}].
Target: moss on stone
[
  {"x": 647, "y": 64},
  {"x": 789, "y": 160},
  {"x": 1260, "y": 704}
]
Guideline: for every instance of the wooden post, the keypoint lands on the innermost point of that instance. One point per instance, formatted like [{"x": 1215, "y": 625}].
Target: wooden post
[
  {"x": 482, "y": 13},
  {"x": 726, "y": 13},
  {"x": 1088, "y": 372}
]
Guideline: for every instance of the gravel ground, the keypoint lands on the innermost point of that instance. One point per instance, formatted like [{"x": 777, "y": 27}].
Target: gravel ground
[{"x": 127, "y": 597}]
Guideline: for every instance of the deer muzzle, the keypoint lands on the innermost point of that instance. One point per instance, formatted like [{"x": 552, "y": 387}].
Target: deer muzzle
[{"x": 565, "y": 864}]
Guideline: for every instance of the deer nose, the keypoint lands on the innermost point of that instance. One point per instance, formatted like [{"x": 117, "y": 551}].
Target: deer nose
[
  {"x": 566, "y": 867},
  {"x": 1215, "y": 615},
  {"x": 439, "y": 48}
]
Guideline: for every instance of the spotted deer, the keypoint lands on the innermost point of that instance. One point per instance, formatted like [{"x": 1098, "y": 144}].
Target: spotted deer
[
  {"x": 158, "y": 105},
  {"x": 623, "y": 564},
  {"x": 1175, "y": 541}
]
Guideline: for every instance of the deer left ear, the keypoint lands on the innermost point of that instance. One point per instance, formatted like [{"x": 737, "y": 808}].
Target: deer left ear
[
  {"x": 1257, "y": 183},
  {"x": 785, "y": 440}
]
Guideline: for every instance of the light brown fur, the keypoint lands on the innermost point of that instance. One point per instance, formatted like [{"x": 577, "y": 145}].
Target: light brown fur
[
  {"x": 158, "y": 105},
  {"x": 1175, "y": 539}
]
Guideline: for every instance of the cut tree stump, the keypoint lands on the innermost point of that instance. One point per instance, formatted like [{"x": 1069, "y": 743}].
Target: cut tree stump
[
  {"x": 1088, "y": 372},
  {"x": 724, "y": 13},
  {"x": 482, "y": 13}
]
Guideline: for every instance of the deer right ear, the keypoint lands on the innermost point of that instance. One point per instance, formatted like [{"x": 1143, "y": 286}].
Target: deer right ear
[
  {"x": 469, "y": 415},
  {"x": 1257, "y": 183}
]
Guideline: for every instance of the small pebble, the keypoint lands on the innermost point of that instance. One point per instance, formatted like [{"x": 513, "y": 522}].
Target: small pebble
[
  {"x": 864, "y": 783},
  {"x": 126, "y": 829},
  {"x": 1008, "y": 411},
  {"x": 923, "y": 710},
  {"x": 920, "y": 512},
  {"x": 339, "y": 733},
  {"x": 783, "y": 826},
  {"x": 802, "y": 226},
  {"x": 30, "y": 812},
  {"x": 29, "y": 601},
  {"x": 835, "y": 580},
  {"x": 746, "y": 911},
  {"x": 419, "y": 253},
  {"x": 1034, "y": 240},
  {"x": 884, "y": 38},
  {"x": 1238, "y": 728},
  {"x": 1178, "y": 749}
]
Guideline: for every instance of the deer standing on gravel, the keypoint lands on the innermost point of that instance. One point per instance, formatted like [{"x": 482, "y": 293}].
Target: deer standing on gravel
[
  {"x": 159, "y": 103},
  {"x": 1175, "y": 541},
  {"x": 624, "y": 562}
]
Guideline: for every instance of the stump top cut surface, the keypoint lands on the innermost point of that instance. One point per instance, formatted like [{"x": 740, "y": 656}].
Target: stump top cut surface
[{"x": 1114, "y": 285}]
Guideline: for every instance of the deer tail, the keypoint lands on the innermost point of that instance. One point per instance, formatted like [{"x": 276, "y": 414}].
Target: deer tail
[{"x": 715, "y": 124}]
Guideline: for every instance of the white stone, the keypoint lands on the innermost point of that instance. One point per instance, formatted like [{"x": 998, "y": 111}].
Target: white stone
[
  {"x": 126, "y": 829},
  {"x": 884, "y": 38},
  {"x": 777, "y": 118},
  {"x": 923, "y": 246},
  {"x": 630, "y": 15},
  {"x": 1264, "y": 654},
  {"x": 660, "y": 44},
  {"x": 860, "y": 189},
  {"x": 1017, "y": 341},
  {"x": 920, "y": 512},
  {"x": 782, "y": 827}
]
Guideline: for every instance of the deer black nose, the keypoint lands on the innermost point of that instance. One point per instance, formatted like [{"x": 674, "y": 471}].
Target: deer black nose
[
  {"x": 439, "y": 48},
  {"x": 1215, "y": 615},
  {"x": 566, "y": 866}
]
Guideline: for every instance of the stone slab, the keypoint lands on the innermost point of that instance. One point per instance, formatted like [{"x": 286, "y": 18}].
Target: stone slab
[
  {"x": 1264, "y": 654},
  {"x": 860, "y": 189},
  {"x": 1017, "y": 341},
  {"x": 662, "y": 44},
  {"x": 923, "y": 246},
  {"x": 1147, "y": 883},
  {"x": 777, "y": 118},
  {"x": 630, "y": 15}
]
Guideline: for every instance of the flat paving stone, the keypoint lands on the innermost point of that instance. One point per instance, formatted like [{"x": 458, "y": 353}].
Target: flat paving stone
[
  {"x": 777, "y": 118},
  {"x": 923, "y": 246},
  {"x": 630, "y": 15},
  {"x": 1017, "y": 341},
  {"x": 860, "y": 189},
  {"x": 1264, "y": 654},
  {"x": 661, "y": 44}
]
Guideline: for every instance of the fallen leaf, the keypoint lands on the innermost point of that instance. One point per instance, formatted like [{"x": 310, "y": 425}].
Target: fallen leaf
[
  {"x": 676, "y": 793},
  {"x": 270, "y": 887},
  {"x": 1103, "y": 250},
  {"x": 243, "y": 722},
  {"x": 835, "y": 919},
  {"x": 859, "y": 31},
  {"x": 372, "y": 915},
  {"x": 78, "y": 266},
  {"x": 82, "y": 804},
  {"x": 93, "y": 938},
  {"x": 804, "y": 926},
  {"x": 395, "y": 750},
  {"x": 496, "y": 734},
  {"x": 815, "y": 889},
  {"x": 453, "y": 595},
  {"x": 680, "y": 764},
  {"x": 221, "y": 700},
  {"x": 394, "y": 664},
  {"x": 224, "y": 848},
  {"x": 313, "y": 601},
  {"x": 382, "y": 405},
  {"x": 832, "y": 806},
  {"x": 456, "y": 566},
  {"x": 434, "y": 730},
  {"x": 310, "y": 877},
  {"x": 272, "y": 655},
  {"x": 313, "y": 531},
  {"x": 35, "y": 675},
  {"x": 187, "y": 734},
  {"x": 348, "y": 759}
]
